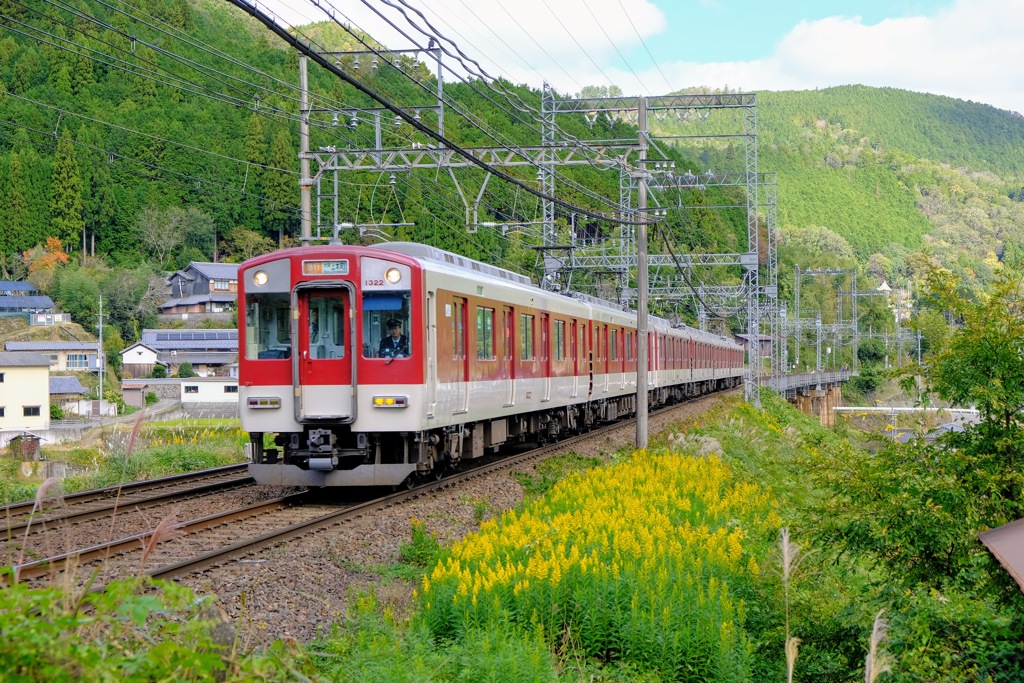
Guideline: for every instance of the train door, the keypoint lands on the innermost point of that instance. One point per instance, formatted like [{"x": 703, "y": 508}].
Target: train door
[
  {"x": 545, "y": 354},
  {"x": 431, "y": 354},
  {"x": 460, "y": 359},
  {"x": 653, "y": 359},
  {"x": 325, "y": 358},
  {"x": 574, "y": 348},
  {"x": 506, "y": 363},
  {"x": 589, "y": 348}
]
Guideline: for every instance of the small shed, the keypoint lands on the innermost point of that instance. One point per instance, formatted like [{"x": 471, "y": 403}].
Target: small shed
[
  {"x": 67, "y": 392},
  {"x": 134, "y": 393}
]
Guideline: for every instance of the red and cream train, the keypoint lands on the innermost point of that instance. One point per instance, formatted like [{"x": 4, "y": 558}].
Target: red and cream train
[{"x": 486, "y": 359}]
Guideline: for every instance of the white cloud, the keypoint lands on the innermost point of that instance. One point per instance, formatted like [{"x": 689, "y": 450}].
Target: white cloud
[{"x": 971, "y": 50}]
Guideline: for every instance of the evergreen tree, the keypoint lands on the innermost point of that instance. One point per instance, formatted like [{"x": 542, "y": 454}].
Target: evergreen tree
[
  {"x": 280, "y": 190},
  {"x": 256, "y": 155},
  {"x": 97, "y": 189},
  {"x": 66, "y": 211},
  {"x": 15, "y": 208}
]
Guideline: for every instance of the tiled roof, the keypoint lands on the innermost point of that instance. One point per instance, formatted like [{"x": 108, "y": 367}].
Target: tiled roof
[
  {"x": 215, "y": 271},
  {"x": 52, "y": 346},
  {"x": 19, "y": 303},
  {"x": 16, "y": 286},
  {"x": 222, "y": 338},
  {"x": 65, "y": 384},
  {"x": 23, "y": 359},
  {"x": 197, "y": 357},
  {"x": 215, "y": 297}
]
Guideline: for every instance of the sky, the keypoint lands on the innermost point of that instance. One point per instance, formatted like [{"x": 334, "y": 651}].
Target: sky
[{"x": 966, "y": 49}]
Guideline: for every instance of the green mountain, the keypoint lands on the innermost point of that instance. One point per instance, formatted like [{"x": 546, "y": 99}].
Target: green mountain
[
  {"x": 181, "y": 151},
  {"x": 895, "y": 173}
]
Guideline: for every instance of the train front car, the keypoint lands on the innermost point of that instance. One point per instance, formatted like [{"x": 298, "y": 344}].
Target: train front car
[{"x": 331, "y": 365}]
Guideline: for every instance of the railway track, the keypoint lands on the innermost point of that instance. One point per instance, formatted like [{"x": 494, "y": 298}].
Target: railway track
[
  {"x": 97, "y": 502},
  {"x": 208, "y": 543}
]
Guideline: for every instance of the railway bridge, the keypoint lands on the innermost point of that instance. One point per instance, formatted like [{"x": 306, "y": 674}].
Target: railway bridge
[{"x": 814, "y": 393}]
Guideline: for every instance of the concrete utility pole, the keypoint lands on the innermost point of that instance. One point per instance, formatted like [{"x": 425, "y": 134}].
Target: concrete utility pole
[
  {"x": 101, "y": 355},
  {"x": 305, "y": 180},
  {"x": 641, "y": 283}
]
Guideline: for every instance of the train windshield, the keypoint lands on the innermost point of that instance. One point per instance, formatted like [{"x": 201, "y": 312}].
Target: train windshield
[
  {"x": 386, "y": 328},
  {"x": 267, "y": 326}
]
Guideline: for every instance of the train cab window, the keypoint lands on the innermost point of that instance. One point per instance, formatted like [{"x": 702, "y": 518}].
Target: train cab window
[
  {"x": 326, "y": 327},
  {"x": 559, "y": 340},
  {"x": 382, "y": 337},
  {"x": 485, "y": 333},
  {"x": 267, "y": 326},
  {"x": 526, "y": 337}
]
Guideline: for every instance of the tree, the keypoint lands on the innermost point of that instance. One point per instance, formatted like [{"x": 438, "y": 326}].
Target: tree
[
  {"x": 43, "y": 261},
  {"x": 185, "y": 370},
  {"x": 280, "y": 189},
  {"x": 166, "y": 230},
  {"x": 66, "y": 210},
  {"x": 241, "y": 244},
  {"x": 16, "y": 206}
]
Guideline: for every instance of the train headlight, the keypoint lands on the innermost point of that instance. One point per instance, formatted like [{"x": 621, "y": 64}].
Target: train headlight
[
  {"x": 390, "y": 401},
  {"x": 393, "y": 276},
  {"x": 260, "y": 278}
]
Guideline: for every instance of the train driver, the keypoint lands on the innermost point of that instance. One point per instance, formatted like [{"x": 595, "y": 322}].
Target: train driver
[{"x": 396, "y": 344}]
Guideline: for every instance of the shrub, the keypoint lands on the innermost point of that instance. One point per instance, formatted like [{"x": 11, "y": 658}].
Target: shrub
[
  {"x": 151, "y": 398},
  {"x": 185, "y": 370},
  {"x": 638, "y": 562},
  {"x": 136, "y": 629},
  {"x": 158, "y": 372}
]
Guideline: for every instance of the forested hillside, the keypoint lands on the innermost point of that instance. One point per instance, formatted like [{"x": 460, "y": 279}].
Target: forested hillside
[
  {"x": 896, "y": 173},
  {"x": 168, "y": 132}
]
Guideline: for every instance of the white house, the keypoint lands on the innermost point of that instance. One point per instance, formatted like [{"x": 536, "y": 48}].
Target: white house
[
  {"x": 24, "y": 391},
  {"x": 209, "y": 390},
  {"x": 138, "y": 360}
]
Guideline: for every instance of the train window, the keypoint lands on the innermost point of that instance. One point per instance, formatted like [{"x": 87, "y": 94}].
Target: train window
[
  {"x": 326, "y": 327},
  {"x": 526, "y": 337},
  {"x": 267, "y": 326},
  {"x": 559, "y": 340},
  {"x": 613, "y": 345},
  {"x": 629, "y": 345},
  {"x": 381, "y": 310},
  {"x": 484, "y": 333}
]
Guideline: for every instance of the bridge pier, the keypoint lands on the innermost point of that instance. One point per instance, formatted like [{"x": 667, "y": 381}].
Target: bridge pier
[{"x": 815, "y": 393}]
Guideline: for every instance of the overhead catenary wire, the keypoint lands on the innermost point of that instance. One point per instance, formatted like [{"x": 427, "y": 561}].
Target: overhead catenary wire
[
  {"x": 156, "y": 167},
  {"x": 644, "y": 43},
  {"x": 465, "y": 153}
]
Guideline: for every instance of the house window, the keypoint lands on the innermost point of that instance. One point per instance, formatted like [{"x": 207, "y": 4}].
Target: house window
[
  {"x": 192, "y": 389},
  {"x": 78, "y": 360},
  {"x": 2, "y": 412},
  {"x": 31, "y": 411},
  {"x": 484, "y": 333},
  {"x": 231, "y": 389},
  {"x": 221, "y": 285},
  {"x": 1, "y": 377}
]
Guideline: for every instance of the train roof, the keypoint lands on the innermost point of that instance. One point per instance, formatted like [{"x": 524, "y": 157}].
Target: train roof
[
  {"x": 429, "y": 253},
  {"x": 426, "y": 252}
]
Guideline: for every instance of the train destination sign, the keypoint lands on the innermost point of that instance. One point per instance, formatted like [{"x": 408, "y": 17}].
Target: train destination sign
[{"x": 339, "y": 267}]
